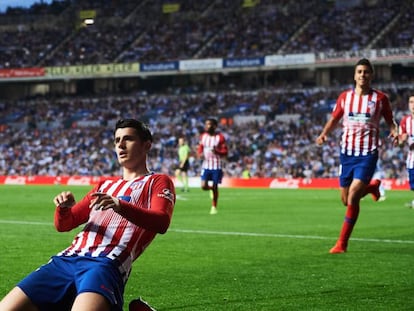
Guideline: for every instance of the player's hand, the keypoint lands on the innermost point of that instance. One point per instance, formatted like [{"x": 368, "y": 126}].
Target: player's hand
[
  {"x": 395, "y": 139},
  {"x": 103, "y": 201},
  {"x": 321, "y": 139},
  {"x": 64, "y": 199}
]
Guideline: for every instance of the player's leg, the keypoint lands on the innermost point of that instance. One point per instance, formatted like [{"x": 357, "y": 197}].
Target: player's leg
[
  {"x": 91, "y": 302},
  {"x": 178, "y": 175},
  {"x": 185, "y": 180},
  {"x": 205, "y": 177},
  {"x": 345, "y": 180},
  {"x": 214, "y": 199},
  {"x": 99, "y": 285},
  {"x": 374, "y": 188},
  {"x": 344, "y": 195},
  {"x": 184, "y": 172},
  {"x": 411, "y": 182},
  {"x": 361, "y": 170},
  {"x": 216, "y": 178},
  {"x": 366, "y": 171},
  {"x": 204, "y": 185},
  {"x": 50, "y": 287},
  {"x": 17, "y": 300},
  {"x": 351, "y": 216}
]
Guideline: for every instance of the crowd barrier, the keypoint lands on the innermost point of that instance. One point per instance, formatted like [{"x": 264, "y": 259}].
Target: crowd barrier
[{"x": 271, "y": 183}]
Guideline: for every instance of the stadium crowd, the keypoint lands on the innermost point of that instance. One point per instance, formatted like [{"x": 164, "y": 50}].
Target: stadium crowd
[
  {"x": 72, "y": 136},
  {"x": 140, "y": 31},
  {"x": 69, "y": 135}
]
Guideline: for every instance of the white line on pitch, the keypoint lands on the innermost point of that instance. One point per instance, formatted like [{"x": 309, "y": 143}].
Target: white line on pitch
[
  {"x": 270, "y": 235},
  {"x": 290, "y": 236}
]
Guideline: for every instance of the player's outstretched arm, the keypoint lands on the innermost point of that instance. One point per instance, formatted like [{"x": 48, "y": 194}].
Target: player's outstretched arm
[{"x": 329, "y": 126}]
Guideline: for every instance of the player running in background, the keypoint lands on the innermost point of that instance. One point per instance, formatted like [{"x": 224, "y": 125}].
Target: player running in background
[
  {"x": 212, "y": 147},
  {"x": 407, "y": 135},
  {"x": 361, "y": 109},
  {"x": 380, "y": 175},
  {"x": 121, "y": 217},
  {"x": 181, "y": 173}
]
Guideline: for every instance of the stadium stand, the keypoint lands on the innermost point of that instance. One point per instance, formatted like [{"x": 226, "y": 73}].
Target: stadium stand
[
  {"x": 82, "y": 145},
  {"x": 128, "y": 31},
  {"x": 67, "y": 134}
]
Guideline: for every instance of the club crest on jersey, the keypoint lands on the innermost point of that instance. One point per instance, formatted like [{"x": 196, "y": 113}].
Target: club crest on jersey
[
  {"x": 167, "y": 194},
  {"x": 371, "y": 104}
]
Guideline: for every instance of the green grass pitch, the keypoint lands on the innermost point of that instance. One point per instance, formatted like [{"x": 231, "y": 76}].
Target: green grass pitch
[{"x": 266, "y": 249}]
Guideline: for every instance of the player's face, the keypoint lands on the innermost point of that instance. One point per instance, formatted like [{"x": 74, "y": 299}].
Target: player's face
[
  {"x": 411, "y": 104},
  {"x": 363, "y": 76},
  {"x": 130, "y": 150},
  {"x": 210, "y": 127}
]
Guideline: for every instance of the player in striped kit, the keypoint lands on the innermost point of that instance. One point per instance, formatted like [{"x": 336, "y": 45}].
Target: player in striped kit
[
  {"x": 361, "y": 109},
  {"x": 121, "y": 217},
  {"x": 212, "y": 147},
  {"x": 407, "y": 135}
]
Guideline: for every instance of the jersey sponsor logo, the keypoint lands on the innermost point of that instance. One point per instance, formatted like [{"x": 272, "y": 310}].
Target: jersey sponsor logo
[
  {"x": 359, "y": 117},
  {"x": 167, "y": 194}
]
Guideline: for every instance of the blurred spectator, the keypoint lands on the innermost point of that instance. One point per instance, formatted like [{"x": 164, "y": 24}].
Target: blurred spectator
[{"x": 281, "y": 146}]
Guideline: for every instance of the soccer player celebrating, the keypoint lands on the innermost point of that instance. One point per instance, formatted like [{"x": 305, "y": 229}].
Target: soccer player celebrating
[
  {"x": 407, "y": 135},
  {"x": 212, "y": 147},
  {"x": 121, "y": 218},
  {"x": 361, "y": 109}
]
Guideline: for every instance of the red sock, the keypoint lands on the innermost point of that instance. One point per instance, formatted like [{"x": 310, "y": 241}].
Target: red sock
[
  {"x": 372, "y": 187},
  {"x": 369, "y": 189},
  {"x": 351, "y": 217}
]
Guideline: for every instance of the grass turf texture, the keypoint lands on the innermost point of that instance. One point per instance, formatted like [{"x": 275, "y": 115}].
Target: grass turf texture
[{"x": 264, "y": 250}]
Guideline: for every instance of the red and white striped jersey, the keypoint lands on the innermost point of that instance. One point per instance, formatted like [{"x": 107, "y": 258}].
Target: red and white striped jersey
[
  {"x": 361, "y": 118},
  {"x": 212, "y": 147},
  {"x": 146, "y": 209},
  {"x": 407, "y": 127}
]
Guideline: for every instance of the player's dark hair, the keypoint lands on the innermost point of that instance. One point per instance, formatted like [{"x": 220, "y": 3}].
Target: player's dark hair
[
  {"x": 365, "y": 62},
  {"x": 214, "y": 121},
  {"x": 142, "y": 129}
]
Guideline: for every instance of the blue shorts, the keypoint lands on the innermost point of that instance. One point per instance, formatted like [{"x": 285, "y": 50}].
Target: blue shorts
[
  {"x": 55, "y": 285},
  {"x": 411, "y": 178},
  {"x": 361, "y": 167},
  {"x": 214, "y": 175}
]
